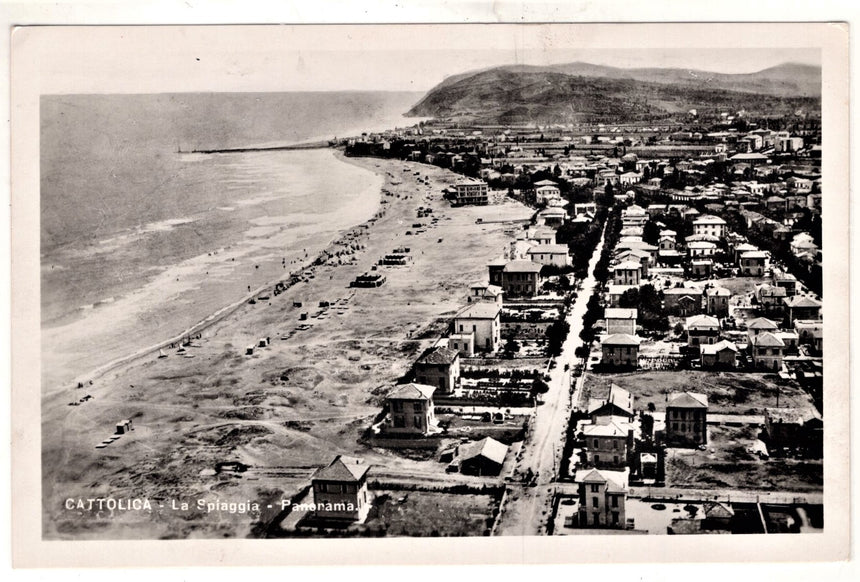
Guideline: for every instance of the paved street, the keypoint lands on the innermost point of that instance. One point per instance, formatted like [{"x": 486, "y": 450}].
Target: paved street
[{"x": 527, "y": 508}]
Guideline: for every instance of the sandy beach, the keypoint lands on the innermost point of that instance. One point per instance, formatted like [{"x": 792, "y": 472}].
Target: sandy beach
[
  {"x": 290, "y": 406},
  {"x": 158, "y": 279}
]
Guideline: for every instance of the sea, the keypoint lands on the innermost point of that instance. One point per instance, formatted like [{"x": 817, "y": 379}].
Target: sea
[{"x": 141, "y": 239}]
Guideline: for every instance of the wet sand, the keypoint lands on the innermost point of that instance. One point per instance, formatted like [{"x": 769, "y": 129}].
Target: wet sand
[
  {"x": 267, "y": 232},
  {"x": 290, "y": 406}
]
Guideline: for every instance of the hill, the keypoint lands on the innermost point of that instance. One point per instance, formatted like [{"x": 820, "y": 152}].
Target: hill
[
  {"x": 785, "y": 80},
  {"x": 580, "y": 92}
]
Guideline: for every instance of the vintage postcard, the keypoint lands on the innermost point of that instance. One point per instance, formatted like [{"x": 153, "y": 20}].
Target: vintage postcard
[{"x": 291, "y": 292}]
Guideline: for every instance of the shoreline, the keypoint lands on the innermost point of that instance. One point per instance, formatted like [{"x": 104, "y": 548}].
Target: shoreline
[
  {"x": 310, "y": 393},
  {"x": 288, "y": 280}
]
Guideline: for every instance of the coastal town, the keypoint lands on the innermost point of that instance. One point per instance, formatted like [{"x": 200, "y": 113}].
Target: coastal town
[
  {"x": 693, "y": 392},
  {"x": 544, "y": 330}
]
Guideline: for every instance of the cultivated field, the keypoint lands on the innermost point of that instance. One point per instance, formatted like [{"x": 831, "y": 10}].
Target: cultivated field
[
  {"x": 730, "y": 466},
  {"x": 432, "y": 513},
  {"x": 728, "y": 392}
]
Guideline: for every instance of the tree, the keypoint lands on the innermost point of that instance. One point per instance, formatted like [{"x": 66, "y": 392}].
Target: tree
[
  {"x": 651, "y": 233},
  {"x": 556, "y": 333},
  {"x": 564, "y": 283},
  {"x": 649, "y": 305},
  {"x": 540, "y": 387},
  {"x": 512, "y": 346}
]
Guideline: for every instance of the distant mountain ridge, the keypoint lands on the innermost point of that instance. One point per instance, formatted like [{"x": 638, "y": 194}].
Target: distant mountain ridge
[
  {"x": 786, "y": 79},
  {"x": 585, "y": 91}
]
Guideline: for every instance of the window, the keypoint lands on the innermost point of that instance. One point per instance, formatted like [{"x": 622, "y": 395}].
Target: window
[
  {"x": 399, "y": 422},
  {"x": 595, "y": 502},
  {"x": 596, "y": 444},
  {"x": 417, "y": 422},
  {"x": 595, "y": 488},
  {"x": 596, "y": 517},
  {"x": 397, "y": 406}
]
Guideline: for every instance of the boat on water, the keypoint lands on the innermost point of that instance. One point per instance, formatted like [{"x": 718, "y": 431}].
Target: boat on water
[{"x": 162, "y": 354}]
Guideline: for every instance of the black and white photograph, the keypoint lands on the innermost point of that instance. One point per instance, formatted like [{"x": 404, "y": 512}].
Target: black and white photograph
[{"x": 436, "y": 281}]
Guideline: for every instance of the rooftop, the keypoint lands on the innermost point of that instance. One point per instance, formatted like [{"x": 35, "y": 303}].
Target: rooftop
[
  {"x": 687, "y": 400},
  {"x": 791, "y": 415},
  {"x": 621, "y": 339},
  {"x": 619, "y": 313},
  {"x": 522, "y": 266},
  {"x": 709, "y": 219},
  {"x": 480, "y": 311},
  {"x": 718, "y": 347},
  {"x": 767, "y": 340},
  {"x": 702, "y": 321},
  {"x": 801, "y": 301},
  {"x": 761, "y": 323},
  {"x": 487, "y": 447},
  {"x": 604, "y": 430},
  {"x": 549, "y": 249},
  {"x": 701, "y": 244},
  {"x": 342, "y": 468},
  {"x": 412, "y": 392},
  {"x": 439, "y": 355},
  {"x": 618, "y": 396},
  {"x": 615, "y": 481},
  {"x": 681, "y": 291}
]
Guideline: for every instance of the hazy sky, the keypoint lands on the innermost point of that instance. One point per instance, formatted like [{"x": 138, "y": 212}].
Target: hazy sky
[{"x": 393, "y": 58}]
